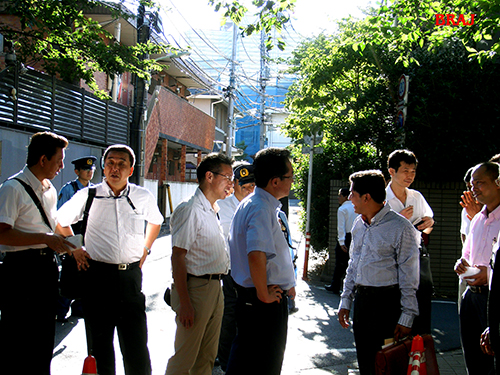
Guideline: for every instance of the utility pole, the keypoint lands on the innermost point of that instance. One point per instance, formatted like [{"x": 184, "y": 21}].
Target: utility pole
[
  {"x": 310, "y": 142},
  {"x": 264, "y": 77},
  {"x": 232, "y": 86},
  {"x": 137, "y": 136}
]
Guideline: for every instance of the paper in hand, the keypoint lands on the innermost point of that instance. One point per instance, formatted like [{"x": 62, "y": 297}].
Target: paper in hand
[{"x": 76, "y": 240}]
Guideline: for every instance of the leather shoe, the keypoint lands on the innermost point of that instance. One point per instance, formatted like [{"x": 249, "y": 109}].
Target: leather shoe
[{"x": 330, "y": 288}]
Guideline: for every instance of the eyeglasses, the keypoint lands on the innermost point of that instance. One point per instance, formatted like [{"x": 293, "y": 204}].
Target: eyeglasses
[
  {"x": 118, "y": 165},
  {"x": 285, "y": 177},
  {"x": 229, "y": 178}
]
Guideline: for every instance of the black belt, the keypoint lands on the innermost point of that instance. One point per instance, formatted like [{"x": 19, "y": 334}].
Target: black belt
[
  {"x": 483, "y": 289},
  {"x": 111, "y": 266},
  {"x": 367, "y": 290},
  {"x": 30, "y": 253},
  {"x": 213, "y": 276}
]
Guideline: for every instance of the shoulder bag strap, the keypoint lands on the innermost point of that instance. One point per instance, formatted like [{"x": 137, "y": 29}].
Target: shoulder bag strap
[
  {"x": 75, "y": 186},
  {"x": 90, "y": 199},
  {"x": 37, "y": 202}
]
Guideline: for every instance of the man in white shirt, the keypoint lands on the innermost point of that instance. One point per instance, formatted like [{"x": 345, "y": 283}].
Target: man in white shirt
[
  {"x": 199, "y": 261},
  {"x": 244, "y": 184},
  {"x": 29, "y": 272},
  {"x": 345, "y": 218},
  {"x": 262, "y": 268},
  {"x": 402, "y": 165},
  {"x": 116, "y": 247}
]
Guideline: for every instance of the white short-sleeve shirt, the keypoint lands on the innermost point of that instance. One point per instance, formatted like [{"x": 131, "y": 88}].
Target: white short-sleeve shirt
[
  {"x": 18, "y": 210},
  {"x": 115, "y": 229},
  {"x": 195, "y": 228},
  {"x": 413, "y": 198}
]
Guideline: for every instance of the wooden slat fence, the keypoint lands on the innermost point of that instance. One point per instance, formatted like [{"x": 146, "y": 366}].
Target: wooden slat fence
[{"x": 45, "y": 103}]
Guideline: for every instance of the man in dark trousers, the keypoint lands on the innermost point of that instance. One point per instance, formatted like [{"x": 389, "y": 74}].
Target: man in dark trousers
[
  {"x": 244, "y": 184},
  {"x": 345, "y": 219},
  {"x": 490, "y": 338},
  {"x": 476, "y": 257},
  {"x": 29, "y": 274},
  {"x": 123, "y": 222},
  {"x": 383, "y": 273},
  {"x": 261, "y": 265}
]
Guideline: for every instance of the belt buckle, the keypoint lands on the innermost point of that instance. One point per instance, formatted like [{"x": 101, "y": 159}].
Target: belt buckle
[{"x": 122, "y": 267}]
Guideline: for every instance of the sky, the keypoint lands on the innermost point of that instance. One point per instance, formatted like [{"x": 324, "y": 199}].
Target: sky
[{"x": 310, "y": 17}]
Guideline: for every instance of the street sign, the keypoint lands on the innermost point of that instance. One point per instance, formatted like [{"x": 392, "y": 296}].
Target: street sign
[
  {"x": 401, "y": 118},
  {"x": 403, "y": 89}
]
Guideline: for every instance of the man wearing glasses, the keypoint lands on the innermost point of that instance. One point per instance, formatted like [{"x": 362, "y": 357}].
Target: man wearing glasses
[
  {"x": 199, "y": 261},
  {"x": 261, "y": 265}
]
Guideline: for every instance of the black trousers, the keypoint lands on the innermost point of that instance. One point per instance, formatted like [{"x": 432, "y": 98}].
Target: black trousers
[
  {"x": 422, "y": 322},
  {"x": 473, "y": 321},
  {"x": 228, "y": 327},
  {"x": 341, "y": 262},
  {"x": 375, "y": 316},
  {"x": 114, "y": 299},
  {"x": 28, "y": 303},
  {"x": 259, "y": 346}
]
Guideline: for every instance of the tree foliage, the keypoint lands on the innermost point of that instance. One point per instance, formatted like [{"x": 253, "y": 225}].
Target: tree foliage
[
  {"x": 58, "y": 35},
  {"x": 347, "y": 87},
  {"x": 269, "y": 15},
  {"x": 406, "y": 24}
]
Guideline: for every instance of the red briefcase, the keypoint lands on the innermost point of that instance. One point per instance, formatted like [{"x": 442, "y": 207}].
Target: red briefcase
[{"x": 394, "y": 359}]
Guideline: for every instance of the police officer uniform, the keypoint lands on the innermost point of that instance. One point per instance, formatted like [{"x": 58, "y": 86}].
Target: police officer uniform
[{"x": 70, "y": 188}]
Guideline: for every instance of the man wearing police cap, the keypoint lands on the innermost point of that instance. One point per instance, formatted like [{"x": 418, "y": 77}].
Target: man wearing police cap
[
  {"x": 244, "y": 185},
  {"x": 84, "y": 169}
]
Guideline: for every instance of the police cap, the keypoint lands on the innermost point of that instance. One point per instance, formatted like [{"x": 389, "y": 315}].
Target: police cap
[
  {"x": 86, "y": 162},
  {"x": 244, "y": 174}
]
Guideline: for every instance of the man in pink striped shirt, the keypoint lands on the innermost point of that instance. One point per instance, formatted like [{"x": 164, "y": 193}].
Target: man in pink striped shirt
[{"x": 474, "y": 266}]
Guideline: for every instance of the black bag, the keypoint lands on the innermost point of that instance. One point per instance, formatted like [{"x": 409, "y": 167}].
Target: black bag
[
  {"x": 425, "y": 269},
  {"x": 71, "y": 282},
  {"x": 167, "y": 297}
]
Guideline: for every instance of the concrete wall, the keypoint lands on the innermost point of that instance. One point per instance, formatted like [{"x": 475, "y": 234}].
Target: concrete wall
[
  {"x": 445, "y": 246},
  {"x": 180, "y": 191},
  {"x": 152, "y": 186},
  {"x": 13, "y": 156}
]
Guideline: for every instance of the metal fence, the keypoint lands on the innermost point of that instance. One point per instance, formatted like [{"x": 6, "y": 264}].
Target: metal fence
[{"x": 43, "y": 103}]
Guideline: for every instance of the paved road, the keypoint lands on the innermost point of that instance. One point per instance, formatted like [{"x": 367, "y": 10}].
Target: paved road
[{"x": 316, "y": 342}]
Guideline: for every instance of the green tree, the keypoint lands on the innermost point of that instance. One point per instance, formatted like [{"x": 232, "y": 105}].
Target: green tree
[
  {"x": 242, "y": 146},
  {"x": 348, "y": 88},
  {"x": 58, "y": 35},
  {"x": 268, "y": 15},
  {"x": 404, "y": 24}
]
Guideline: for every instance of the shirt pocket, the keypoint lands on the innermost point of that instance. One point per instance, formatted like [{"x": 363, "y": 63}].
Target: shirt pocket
[{"x": 136, "y": 224}]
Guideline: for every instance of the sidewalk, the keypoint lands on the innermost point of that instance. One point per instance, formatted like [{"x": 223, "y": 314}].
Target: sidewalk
[{"x": 451, "y": 363}]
